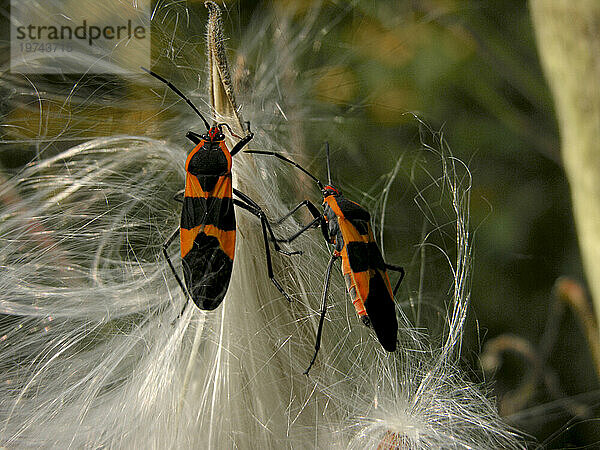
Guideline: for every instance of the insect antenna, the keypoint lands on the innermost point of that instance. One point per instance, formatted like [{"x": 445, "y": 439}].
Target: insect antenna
[
  {"x": 328, "y": 165},
  {"x": 178, "y": 92},
  {"x": 277, "y": 155}
]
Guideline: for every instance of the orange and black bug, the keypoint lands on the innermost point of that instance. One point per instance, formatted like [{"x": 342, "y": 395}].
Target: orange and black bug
[
  {"x": 347, "y": 226},
  {"x": 207, "y": 231}
]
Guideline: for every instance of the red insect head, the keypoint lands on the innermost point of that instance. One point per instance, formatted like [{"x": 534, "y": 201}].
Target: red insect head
[
  {"x": 329, "y": 190},
  {"x": 216, "y": 134}
]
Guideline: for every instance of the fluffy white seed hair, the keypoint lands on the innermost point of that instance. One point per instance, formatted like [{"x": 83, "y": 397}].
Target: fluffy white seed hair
[{"x": 92, "y": 352}]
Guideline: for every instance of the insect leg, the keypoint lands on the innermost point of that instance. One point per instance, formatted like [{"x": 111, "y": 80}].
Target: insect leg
[
  {"x": 312, "y": 208},
  {"x": 319, "y": 220},
  {"x": 263, "y": 221},
  {"x": 194, "y": 137},
  {"x": 242, "y": 142},
  {"x": 313, "y": 224},
  {"x": 323, "y": 311},
  {"x": 165, "y": 248},
  {"x": 178, "y": 196},
  {"x": 260, "y": 213},
  {"x": 396, "y": 269}
]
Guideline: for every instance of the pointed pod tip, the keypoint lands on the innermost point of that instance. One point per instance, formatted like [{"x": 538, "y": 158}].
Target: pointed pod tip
[{"x": 212, "y": 7}]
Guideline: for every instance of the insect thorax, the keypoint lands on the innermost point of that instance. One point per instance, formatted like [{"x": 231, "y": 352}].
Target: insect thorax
[{"x": 209, "y": 159}]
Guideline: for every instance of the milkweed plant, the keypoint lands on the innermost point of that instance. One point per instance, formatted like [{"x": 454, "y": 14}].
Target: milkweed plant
[{"x": 93, "y": 351}]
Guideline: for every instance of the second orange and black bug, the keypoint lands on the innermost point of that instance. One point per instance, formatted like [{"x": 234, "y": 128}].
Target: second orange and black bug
[
  {"x": 346, "y": 225},
  {"x": 208, "y": 227}
]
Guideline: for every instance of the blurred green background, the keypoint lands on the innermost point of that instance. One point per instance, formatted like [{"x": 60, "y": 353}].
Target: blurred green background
[{"x": 470, "y": 70}]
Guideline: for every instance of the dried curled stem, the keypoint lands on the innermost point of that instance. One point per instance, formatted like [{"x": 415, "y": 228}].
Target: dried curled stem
[{"x": 572, "y": 293}]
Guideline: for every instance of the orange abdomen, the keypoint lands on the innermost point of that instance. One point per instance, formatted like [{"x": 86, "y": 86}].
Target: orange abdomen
[{"x": 352, "y": 285}]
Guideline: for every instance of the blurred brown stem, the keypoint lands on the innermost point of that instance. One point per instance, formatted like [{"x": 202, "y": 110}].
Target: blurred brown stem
[
  {"x": 568, "y": 39},
  {"x": 537, "y": 371},
  {"x": 572, "y": 293}
]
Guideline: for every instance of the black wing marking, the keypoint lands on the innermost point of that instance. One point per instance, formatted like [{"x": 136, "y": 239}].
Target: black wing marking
[
  {"x": 215, "y": 211},
  {"x": 207, "y": 271},
  {"x": 381, "y": 310},
  {"x": 363, "y": 256},
  {"x": 352, "y": 211}
]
